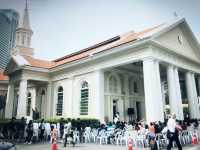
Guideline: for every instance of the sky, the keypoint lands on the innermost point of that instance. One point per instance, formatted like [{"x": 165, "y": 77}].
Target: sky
[{"x": 64, "y": 26}]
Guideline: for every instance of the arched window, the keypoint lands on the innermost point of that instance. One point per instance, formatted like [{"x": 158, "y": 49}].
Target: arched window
[
  {"x": 59, "y": 109},
  {"x": 113, "y": 85},
  {"x": 23, "y": 38},
  {"x": 28, "y": 41},
  {"x": 133, "y": 86},
  {"x": 28, "y": 105},
  {"x": 18, "y": 36},
  {"x": 84, "y": 98}
]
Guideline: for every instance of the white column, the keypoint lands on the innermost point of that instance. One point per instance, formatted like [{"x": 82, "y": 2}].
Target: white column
[
  {"x": 171, "y": 89},
  {"x": 126, "y": 100},
  {"x": 99, "y": 98},
  {"x": 178, "y": 95},
  {"x": 192, "y": 96},
  {"x": 195, "y": 97},
  {"x": 33, "y": 100},
  {"x": 50, "y": 100},
  {"x": 152, "y": 89},
  {"x": 21, "y": 108},
  {"x": 69, "y": 98},
  {"x": 49, "y": 112},
  {"x": 163, "y": 94},
  {"x": 9, "y": 101},
  {"x": 174, "y": 92},
  {"x": 199, "y": 84}
]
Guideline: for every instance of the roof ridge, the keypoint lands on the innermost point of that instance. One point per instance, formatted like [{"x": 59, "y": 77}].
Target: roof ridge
[{"x": 90, "y": 48}]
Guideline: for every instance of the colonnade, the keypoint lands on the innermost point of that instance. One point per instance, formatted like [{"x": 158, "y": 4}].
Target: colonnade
[
  {"x": 153, "y": 92},
  {"x": 20, "y": 100}
]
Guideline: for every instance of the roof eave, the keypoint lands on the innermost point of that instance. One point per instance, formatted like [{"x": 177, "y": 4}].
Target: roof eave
[
  {"x": 116, "y": 49},
  {"x": 38, "y": 69},
  {"x": 4, "y": 81}
]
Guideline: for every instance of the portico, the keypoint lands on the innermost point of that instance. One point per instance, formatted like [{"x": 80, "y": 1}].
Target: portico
[{"x": 27, "y": 95}]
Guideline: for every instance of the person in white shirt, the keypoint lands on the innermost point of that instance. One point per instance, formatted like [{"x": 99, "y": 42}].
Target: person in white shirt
[
  {"x": 172, "y": 133},
  {"x": 116, "y": 118}
]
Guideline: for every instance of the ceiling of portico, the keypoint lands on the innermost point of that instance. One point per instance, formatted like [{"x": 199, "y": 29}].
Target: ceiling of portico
[
  {"x": 135, "y": 68},
  {"x": 37, "y": 83}
]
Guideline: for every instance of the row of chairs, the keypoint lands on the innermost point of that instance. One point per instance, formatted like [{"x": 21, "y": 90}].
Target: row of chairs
[
  {"x": 139, "y": 140},
  {"x": 120, "y": 137}
]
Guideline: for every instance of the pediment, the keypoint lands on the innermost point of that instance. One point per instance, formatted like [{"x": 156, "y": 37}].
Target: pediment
[
  {"x": 181, "y": 40},
  {"x": 15, "y": 63},
  {"x": 12, "y": 66}
]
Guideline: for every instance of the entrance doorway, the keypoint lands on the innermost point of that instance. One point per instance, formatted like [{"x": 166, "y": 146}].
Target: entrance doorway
[
  {"x": 114, "y": 108},
  {"x": 40, "y": 105},
  {"x": 138, "y": 110},
  {"x": 15, "y": 105}
]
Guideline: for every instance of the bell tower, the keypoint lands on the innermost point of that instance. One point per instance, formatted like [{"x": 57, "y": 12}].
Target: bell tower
[{"x": 23, "y": 36}]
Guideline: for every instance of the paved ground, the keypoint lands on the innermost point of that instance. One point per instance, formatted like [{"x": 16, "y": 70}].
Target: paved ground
[{"x": 87, "y": 147}]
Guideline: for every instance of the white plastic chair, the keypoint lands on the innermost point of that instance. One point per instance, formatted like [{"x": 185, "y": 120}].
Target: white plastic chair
[
  {"x": 76, "y": 137},
  {"x": 36, "y": 130}
]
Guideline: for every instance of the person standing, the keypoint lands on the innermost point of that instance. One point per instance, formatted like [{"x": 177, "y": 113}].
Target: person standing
[
  {"x": 12, "y": 128},
  {"x": 42, "y": 129},
  {"x": 172, "y": 133},
  {"x": 29, "y": 130},
  {"x": 68, "y": 133},
  {"x": 53, "y": 138},
  {"x": 61, "y": 127},
  {"x": 116, "y": 118},
  {"x": 21, "y": 128}
]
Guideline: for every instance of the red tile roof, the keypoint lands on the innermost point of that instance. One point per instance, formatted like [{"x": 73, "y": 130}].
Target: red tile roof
[
  {"x": 2, "y": 76},
  {"x": 106, "y": 45},
  {"x": 39, "y": 62}
]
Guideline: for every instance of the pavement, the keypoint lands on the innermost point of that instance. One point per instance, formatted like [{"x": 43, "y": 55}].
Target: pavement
[{"x": 47, "y": 146}]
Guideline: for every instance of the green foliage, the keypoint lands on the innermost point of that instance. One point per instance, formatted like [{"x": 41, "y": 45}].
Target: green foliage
[
  {"x": 4, "y": 121},
  {"x": 93, "y": 123}
]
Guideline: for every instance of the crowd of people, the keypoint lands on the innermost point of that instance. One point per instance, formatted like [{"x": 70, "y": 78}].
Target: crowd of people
[{"x": 23, "y": 131}]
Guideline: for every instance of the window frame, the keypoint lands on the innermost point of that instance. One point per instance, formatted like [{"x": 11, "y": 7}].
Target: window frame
[
  {"x": 84, "y": 98},
  {"x": 28, "y": 104},
  {"x": 60, "y": 97}
]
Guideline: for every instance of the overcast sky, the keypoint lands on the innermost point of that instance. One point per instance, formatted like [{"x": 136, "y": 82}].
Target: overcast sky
[{"x": 64, "y": 26}]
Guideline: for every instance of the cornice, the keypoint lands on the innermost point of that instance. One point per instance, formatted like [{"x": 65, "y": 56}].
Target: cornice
[{"x": 166, "y": 55}]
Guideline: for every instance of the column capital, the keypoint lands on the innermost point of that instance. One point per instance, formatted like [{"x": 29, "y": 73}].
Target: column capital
[
  {"x": 99, "y": 70},
  {"x": 71, "y": 78},
  {"x": 190, "y": 72},
  {"x": 23, "y": 79},
  {"x": 49, "y": 82},
  {"x": 150, "y": 59},
  {"x": 171, "y": 66}
]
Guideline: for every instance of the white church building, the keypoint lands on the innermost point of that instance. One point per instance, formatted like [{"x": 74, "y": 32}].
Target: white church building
[{"x": 141, "y": 75}]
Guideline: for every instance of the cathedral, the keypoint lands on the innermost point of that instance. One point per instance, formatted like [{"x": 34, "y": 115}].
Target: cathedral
[{"x": 140, "y": 75}]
